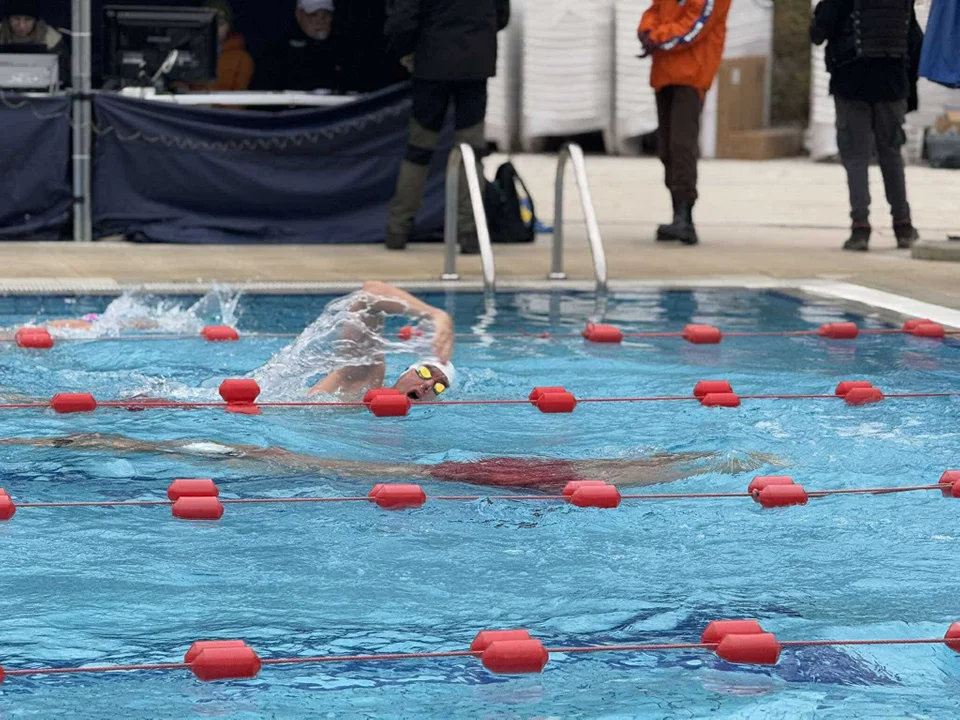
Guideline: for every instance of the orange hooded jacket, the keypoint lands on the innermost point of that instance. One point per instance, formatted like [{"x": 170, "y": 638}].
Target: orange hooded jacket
[
  {"x": 235, "y": 66},
  {"x": 689, "y": 35}
]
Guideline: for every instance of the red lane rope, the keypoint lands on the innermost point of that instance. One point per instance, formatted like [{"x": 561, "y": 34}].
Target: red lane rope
[
  {"x": 205, "y": 405},
  {"x": 474, "y": 498},
  {"x": 950, "y": 639}
]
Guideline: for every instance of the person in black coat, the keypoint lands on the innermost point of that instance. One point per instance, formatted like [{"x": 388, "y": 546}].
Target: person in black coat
[
  {"x": 450, "y": 47},
  {"x": 872, "y": 46}
]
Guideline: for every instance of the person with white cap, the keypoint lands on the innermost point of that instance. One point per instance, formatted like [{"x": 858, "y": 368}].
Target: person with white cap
[{"x": 307, "y": 57}]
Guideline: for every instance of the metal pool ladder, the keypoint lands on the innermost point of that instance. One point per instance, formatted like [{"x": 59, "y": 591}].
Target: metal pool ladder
[
  {"x": 463, "y": 155},
  {"x": 574, "y": 154}
]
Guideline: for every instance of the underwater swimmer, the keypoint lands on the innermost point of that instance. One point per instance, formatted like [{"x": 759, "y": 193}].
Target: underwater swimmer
[
  {"x": 425, "y": 380},
  {"x": 520, "y": 473}
]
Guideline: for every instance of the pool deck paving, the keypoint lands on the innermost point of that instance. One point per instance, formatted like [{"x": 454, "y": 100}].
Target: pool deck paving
[{"x": 778, "y": 220}]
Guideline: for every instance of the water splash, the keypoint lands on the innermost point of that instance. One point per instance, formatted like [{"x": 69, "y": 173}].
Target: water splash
[
  {"x": 346, "y": 334},
  {"x": 135, "y": 312}
]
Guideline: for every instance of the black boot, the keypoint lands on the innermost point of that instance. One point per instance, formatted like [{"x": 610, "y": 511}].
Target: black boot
[
  {"x": 685, "y": 231},
  {"x": 859, "y": 239},
  {"x": 667, "y": 233},
  {"x": 906, "y": 234}
]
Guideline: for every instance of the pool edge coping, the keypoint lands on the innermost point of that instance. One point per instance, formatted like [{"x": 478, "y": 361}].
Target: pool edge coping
[{"x": 895, "y": 306}]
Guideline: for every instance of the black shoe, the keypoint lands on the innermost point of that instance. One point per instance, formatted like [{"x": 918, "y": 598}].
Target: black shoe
[
  {"x": 684, "y": 231},
  {"x": 906, "y": 234},
  {"x": 396, "y": 241},
  {"x": 668, "y": 233},
  {"x": 859, "y": 239}
]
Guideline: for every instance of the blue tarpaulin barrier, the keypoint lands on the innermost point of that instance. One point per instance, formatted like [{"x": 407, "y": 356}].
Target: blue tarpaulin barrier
[
  {"x": 35, "y": 193},
  {"x": 940, "y": 59},
  {"x": 173, "y": 173}
]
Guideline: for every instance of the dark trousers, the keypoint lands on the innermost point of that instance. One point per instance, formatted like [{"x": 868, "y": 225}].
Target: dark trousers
[
  {"x": 431, "y": 101},
  {"x": 678, "y": 112},
  {"x": 860, "y": 127}
]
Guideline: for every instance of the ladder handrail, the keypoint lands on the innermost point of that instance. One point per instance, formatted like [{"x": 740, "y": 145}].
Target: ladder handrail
[
  {"x": 574, "y": 154},
  {"x": 463, "y": 155}
]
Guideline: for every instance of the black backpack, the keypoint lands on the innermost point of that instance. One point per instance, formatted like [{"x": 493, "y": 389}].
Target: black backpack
[{"x": 509, "y": 207}]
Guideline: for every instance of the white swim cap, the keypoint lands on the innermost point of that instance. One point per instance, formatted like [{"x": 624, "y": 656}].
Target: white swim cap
[{"x": 446, "y": 368}]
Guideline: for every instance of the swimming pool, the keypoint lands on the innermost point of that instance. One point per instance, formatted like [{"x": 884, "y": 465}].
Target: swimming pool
[{"x": 88, "y": 586}]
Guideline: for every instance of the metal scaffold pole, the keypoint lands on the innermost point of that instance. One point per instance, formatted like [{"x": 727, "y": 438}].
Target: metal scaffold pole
[{"x": 82, "y": 121}]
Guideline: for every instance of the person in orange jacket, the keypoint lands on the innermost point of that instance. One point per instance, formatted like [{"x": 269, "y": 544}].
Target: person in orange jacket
[
  {"x": 235, "y": 65},
  {"x": 685, "y": 39}
]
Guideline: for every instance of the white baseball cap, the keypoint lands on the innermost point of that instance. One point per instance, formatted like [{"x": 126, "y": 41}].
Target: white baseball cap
[{"x": 312, "y": 6}]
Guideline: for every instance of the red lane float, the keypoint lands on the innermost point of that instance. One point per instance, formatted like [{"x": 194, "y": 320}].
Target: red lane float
[
  {"x": 408, "y": 331},
  {"x": 240, "y": 394},
  {"x": 909, "y": 325},
  {"x": 848, "y": 385},
  {"x": 930, "y": 330},
  {"x": 785, "y": 495},
  {"x": 571, "y": 487},
  {"x": 539, "y": 392},
  {"x": 602, "y": 333},
  {"x": 556, "y": 402},
  {"x": 702, "y": 334},
  {"x": 950, "y": 483},
  {"x": 863, "y": 396},
  {"x": 515, "y": 657},
  {"x": 398, "y": 496},
  {"x": 65, "y": 403},
  {"x": 7, "y": 507},
  {"x": 390, "y": 405},
  {"x": 839, "y": 331},
  {"x": 200, "y": 645},
  {"x": 485, "y": 638},
  {"x": 377, "y": 392},
  {"x": 717, "y": 630},
  {"x": 751, "y": 649},
  {"x": 953, "y": 633},
  {"x": 720, "y": 400},
  {"x": 226, "y": 663},
  {"x": 219, "y": 333},
  {"x": 198, "y": 508},
  {"x": 192, "y": 487},
  {"x": 34, "y": 339},
  {"x": 710, "y": 387},
  {"x": 595, "y": 496},
  {"x": 759, "y": 483}
]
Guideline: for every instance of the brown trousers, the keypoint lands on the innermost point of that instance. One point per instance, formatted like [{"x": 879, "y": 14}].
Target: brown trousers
[{"x": 678, "y": 111}]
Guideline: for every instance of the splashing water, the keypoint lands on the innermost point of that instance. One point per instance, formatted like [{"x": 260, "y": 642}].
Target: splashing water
[
  {"x": 346, "y": 334},
  {"x": 143, "y": 313}
]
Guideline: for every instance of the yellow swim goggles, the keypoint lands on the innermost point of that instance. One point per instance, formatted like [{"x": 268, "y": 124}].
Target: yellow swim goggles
[{"x": 424, "y": 372}]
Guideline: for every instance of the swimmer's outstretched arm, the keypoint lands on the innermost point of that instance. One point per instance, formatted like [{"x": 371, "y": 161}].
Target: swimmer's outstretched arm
[{"x": 276, "y": 457}]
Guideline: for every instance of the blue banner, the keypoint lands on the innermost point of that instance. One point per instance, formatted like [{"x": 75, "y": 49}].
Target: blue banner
[
  {"x": 173, "y": 173},
  {"x": 940, "y": 60},
  {"x": 35, "y": 193}
]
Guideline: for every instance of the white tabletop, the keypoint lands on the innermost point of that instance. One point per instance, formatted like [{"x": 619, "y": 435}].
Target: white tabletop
[{"x": 250, "y": 98}]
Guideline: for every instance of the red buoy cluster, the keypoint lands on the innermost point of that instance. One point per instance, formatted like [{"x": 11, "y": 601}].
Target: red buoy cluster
[
  {"x": 924, "y": 328},
  {"x": 195, "y": 499},
  {"x": 702, "y": 334},
  {"x": 602, "y": 333},
  {"x": 777, "y": 491},
  {"x": 553, "y": 400},
  {"x": 859, "y": 392}
]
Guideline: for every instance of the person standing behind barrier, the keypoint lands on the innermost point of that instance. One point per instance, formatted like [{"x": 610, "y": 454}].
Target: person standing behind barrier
[
  {"x": 450, "y": 47},
  {"x": 22, "y": 25},
  {"x": 685, "y": 38},
  {"x": 869, "y": 49},
  {"x": 234, "y": 64},
  {"x": 307, "y": 57}
]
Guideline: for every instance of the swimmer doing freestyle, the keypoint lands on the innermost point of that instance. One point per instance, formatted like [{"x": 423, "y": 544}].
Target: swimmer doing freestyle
[{"x": 426, "y": 380}]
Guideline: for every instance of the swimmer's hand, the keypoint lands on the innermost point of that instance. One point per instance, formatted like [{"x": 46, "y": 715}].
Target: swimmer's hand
[{"x": 443, "y": 335}]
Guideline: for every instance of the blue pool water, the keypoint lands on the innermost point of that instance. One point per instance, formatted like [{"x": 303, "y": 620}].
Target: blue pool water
[{"x": 133, "y": 585}]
